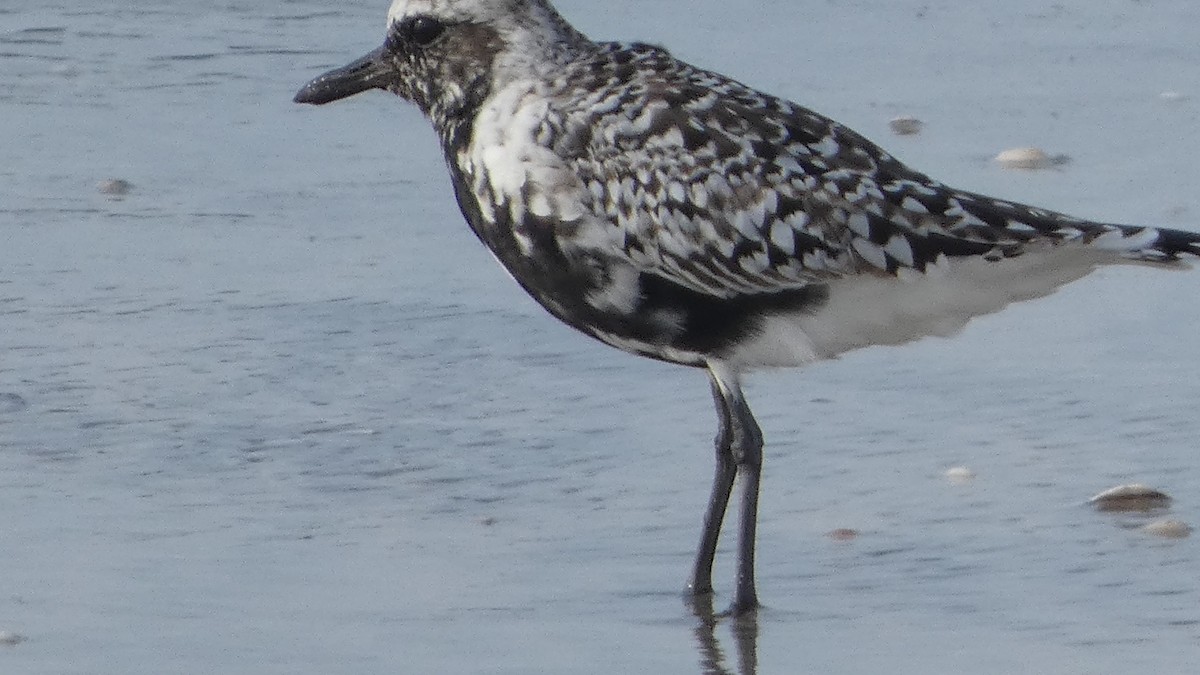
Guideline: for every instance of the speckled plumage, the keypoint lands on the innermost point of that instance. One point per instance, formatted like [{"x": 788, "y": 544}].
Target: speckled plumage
[
  {"x": 674, "y": 212},
  {"x": 679, "y": 214}
]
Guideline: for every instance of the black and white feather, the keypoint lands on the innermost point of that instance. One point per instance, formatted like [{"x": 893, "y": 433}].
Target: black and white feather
[{"x": 676, "y": 213}]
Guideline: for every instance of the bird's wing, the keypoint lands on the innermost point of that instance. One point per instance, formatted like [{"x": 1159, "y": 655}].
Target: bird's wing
[{"x": 725, "y": 190}]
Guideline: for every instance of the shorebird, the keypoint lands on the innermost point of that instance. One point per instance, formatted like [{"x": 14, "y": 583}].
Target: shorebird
[{"x": 678, "y": 214}]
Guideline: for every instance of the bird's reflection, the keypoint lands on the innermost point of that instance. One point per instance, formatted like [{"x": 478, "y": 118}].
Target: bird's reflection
[{"x": 745, "y": 639}]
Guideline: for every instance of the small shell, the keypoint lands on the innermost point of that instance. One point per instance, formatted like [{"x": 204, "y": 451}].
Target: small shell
[
  {"x": 1169, "y": 529},
  {"x": 1025, "y": 158},
  {"x": 1133, "y": 497},
  {"x": 959, "y": 475},
  {"x": 905, "y": 126}
]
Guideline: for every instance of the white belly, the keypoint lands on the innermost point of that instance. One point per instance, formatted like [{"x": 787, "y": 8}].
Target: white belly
[{"x": 883, "y": 310}]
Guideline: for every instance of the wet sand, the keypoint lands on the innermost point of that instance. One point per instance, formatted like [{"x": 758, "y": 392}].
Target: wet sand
[{"x": 273, "y": 410}]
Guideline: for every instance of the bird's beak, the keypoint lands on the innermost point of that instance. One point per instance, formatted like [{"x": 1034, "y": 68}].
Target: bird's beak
[{"x": 372, "y": 71}]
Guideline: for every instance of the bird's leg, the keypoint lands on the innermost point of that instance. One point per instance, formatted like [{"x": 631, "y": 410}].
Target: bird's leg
[
  {"x": 739, "y": 450},
  {"x": 747, "y": 452},
  {"x": 726, "y": 471},
  {"x": 745, "y": 443}
]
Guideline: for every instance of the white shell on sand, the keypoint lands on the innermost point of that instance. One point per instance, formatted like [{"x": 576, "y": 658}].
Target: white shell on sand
[
  {"x": 1027, "y": 158},
  {"x": 959, "y": 475},
  {"x": 1132, "y": 497},
  {"x": 1171, "y": 529}
]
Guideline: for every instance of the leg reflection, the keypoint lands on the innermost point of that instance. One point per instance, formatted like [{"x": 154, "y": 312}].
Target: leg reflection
[{"x": 745, "y": 638}]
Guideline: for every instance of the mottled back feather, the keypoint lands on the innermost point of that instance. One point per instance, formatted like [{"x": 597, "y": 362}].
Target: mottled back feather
[{"x": 677, "y": 213}]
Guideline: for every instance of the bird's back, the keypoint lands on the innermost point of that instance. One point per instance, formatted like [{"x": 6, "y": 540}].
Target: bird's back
[{"x": 676, "y": 213}]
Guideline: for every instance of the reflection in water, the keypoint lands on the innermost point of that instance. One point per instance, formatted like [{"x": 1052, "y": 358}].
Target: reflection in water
[{"x": 745, "y": 639}]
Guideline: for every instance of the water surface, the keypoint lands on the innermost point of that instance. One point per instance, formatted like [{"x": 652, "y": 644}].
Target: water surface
[{"x": 275, "y": 410}]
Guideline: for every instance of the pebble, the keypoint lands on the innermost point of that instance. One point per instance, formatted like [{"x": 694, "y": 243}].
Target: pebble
[
  {"x": 906, "y": 126},
  {"x": 1173, "y": 96},
  {"x": 959, "y": 475},
  {"x": 842, "y": 534},
  {"x": 1133, "y": 497},
  {"x": 1169, "y": 529},
  {"x": 114, "y": 187},
  {"x": 9, "y": 639}
]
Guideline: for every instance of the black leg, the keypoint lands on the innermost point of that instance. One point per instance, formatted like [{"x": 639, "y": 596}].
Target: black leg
[
  {"x": 739, "y": 451},
  {"x": 718, "y": 500},
  {"x": 747, "y": 452}
]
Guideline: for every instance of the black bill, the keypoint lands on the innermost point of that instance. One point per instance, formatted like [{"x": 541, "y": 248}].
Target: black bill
[{"x": 370, "y": 72}]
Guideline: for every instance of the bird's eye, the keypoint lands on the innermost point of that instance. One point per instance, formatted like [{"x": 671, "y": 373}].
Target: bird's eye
[{"x": 422, "y": 30}]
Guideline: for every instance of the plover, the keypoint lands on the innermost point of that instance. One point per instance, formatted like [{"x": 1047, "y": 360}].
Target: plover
[{"x": 678, "y": 214}]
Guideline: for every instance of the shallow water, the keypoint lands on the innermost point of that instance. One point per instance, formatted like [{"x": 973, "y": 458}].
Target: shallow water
[{"x": 276, "y": 411}]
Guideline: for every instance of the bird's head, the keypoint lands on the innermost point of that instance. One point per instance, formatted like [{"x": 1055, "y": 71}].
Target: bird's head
[{"x": 446, "y": 55}]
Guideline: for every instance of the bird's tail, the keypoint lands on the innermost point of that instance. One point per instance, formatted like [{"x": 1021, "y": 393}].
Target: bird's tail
[
  {"x": 1167, "y": 245},
  {"x": 1022, "y": 225},
  {"x": 1152, "y": 245}
]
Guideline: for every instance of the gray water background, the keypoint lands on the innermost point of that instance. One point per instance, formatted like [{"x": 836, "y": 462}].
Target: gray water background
[{"x": 276, "y": 411}]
